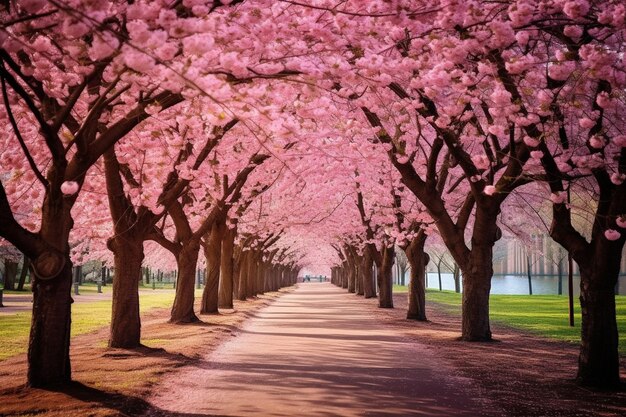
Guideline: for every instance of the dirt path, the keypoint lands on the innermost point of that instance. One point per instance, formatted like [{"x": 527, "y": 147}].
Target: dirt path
[{"x": 319, "y": 352}]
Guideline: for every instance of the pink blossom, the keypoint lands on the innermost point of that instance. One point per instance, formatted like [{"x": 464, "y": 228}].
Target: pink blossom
[
  {"x": 103, "y": 46},
  {"x": 32, "y": 6},
  {"x": 558, "y": 197},
  {"x": 612, "y": 234},
  {"x": 497, "y": 130},
  {"x": 41, "y": 44},
  {"x": 573, "y": 31},
  {"x": 503, "y": 34},
  {"x": 586, "y": 123},
  {"x": 621, "y": 221},
  {"x": 522, "y": 38},
  {"x": 501, "y": 97},
  {"x": 74, "y": 29},
  {"x": 69, "y": 187},
  {"x": 597, "y": 142},
  {"x": 620, "y": 140},
  {"x": 198, "y": 44},
  {"x": 562, "y": 70},
  {"x": 521, "y": 13},
  {"x": 617, "y": 179},
  {"x": 481, "y": 161},
  {"x": 138, "y": 61},
  {"x": 402, "y": 159},
  {"x": 564, "y": 167},
  {"x": 604, "y": 100},
  {"x": 532, "y": 142},
  {"x": 489, "y": 190},
  {"x": 576, "y": 8}
]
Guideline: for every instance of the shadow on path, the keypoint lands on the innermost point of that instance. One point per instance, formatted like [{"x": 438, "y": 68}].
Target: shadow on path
[{"x": 318, "y": 352}]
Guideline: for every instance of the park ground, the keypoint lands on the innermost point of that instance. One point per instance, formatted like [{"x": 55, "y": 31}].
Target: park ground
[{"x": 521, "y": 374}]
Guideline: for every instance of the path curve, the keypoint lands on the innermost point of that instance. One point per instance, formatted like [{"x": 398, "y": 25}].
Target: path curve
[{"x": 318, "y": 351}]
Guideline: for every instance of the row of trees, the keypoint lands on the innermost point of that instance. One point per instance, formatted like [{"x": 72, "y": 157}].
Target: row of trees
[{"x": 288, "y": 134}]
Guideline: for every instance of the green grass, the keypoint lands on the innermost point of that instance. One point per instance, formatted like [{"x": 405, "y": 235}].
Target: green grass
[
  {"x": 400, "y": 288},
  {"x": 86, "y": 317},
  {"x": 86, "y": 288},
  {"x": 544, "y": 315}
]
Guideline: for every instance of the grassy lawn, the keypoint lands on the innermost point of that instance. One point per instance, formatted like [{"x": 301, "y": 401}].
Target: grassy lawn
[
  {"x": 86, "y": 288},
  {"x": 545, "y": 315},
  {"x": 86, "y": 317}
]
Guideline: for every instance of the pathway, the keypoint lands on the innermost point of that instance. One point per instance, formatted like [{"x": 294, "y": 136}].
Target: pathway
[{"x": 317, "y": 351}]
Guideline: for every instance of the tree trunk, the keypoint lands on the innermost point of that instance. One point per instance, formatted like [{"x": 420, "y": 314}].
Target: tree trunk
[
  {"x": 439, "y": 261},
  {"x": 385, "y": 278},
  {"x": 440, "y": 282},
  {"x": 262, "y": 276},
  {"x": 236, "y": 270},
  {"x": 366, "y": 271},
  {"x": 358, "y": 276},
  {"x": 252, "y": 273},
  {"x": 456, "y": 275},
  {"x": 345, "y": 276},
  {"x": 476, "y": 288},
  {"x": 24, "y": 273},
  {"x": 242, "y": 293},
  {"x": 10, "y": 273},
  {"x": 125, "y": 321},
  {"x": 598, "y": 361},
  {"x": 213, "y": 254},
  {"x": 559, "y": 266},
  {"x": 418, "y": 259},
  {"x": 49, "y": 343},
  {"x": 227, "y": 269},
  {"x": 187, "y": 263},
  {"x": 351, "y": 271},
  {"x": 530, "y": 276}
]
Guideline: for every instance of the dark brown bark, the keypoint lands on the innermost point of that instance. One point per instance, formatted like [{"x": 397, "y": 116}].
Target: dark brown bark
[
  {"x": 125, "y": 320},
  {"x": 358, "y": 277},
  {"x": 10, "y": 273},
  {"x": 598, "y": 361},
  {"x": 477, "y": 271},
  {"x": 259, "y": 275},
  {"x": 385, "y": 278},
  {"x": 352, "y": 270},
  {"x": 213, "y": 255},
  {"x": 252, "y": 272},
  {"x": 418, "y": 259},
  {"x": 476, "y": 287},
  {"x": 187, "y": 263},
  {"x": 236, "y": 270},
  {"x": 49, "y": 343},
  {"x": 456, "y": 274},
  {"x": 345, "y": 275},
  {"x": 227, "y": 269},
  {"x": 367, "y": 275},
  {"x": 243, "y": 293},
  {"x": 599, "y": 261},
  {"x": 131, "y": 228},
  {"x": 24, "y": 273}
]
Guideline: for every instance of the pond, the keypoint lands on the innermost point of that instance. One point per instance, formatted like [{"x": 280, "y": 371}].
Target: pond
[{"x": 518, "y": 284}]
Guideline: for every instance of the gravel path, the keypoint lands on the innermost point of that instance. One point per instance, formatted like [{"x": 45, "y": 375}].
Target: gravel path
[{"x": 319, "y": 352}]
